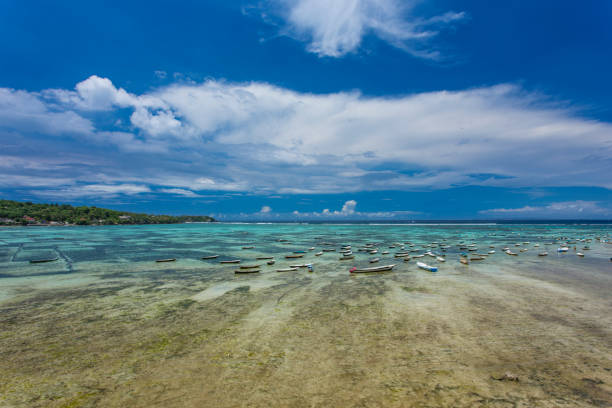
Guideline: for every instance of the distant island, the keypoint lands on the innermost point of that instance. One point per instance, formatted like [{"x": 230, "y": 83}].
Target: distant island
[{"x": 27, "y": 213}]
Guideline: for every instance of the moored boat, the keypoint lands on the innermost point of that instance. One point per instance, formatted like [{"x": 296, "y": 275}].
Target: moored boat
[
  {"x": 382, "y": 268},
  {"x": 246, "y": 271},
  {"x": 429, "y": 268},
  {"x": 210, "y": 257},
  {"x": 286, "y": 270},
  {"x": 249, "y": 266},
  {"x": 166, "y": 260},
  {"x": 34, "y": 261},
  {"x": 233, "y": 261}
]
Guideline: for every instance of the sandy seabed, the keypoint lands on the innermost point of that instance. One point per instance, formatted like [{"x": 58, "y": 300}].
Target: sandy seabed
[{"x": 487, "y": 335}]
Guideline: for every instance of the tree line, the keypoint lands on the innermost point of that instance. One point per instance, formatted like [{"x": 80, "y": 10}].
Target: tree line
[{"x": 24, "y": 213}]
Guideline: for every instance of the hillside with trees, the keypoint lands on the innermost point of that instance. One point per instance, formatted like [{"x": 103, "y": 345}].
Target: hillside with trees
[{"x": 27, "y": 213}]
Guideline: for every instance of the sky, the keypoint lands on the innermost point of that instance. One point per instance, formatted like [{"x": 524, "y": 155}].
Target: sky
[{"x": 310, "y": 109}]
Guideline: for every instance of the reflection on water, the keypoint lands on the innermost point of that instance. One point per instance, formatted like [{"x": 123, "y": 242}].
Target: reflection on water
[{"x": 106, "y": 325}]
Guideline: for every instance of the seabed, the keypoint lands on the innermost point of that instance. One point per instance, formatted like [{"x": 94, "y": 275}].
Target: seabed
[{"x": 105, "y": 326}]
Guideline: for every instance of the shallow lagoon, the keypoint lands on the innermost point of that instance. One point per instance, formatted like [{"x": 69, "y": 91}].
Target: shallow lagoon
[{"x": 105, "y": 325}]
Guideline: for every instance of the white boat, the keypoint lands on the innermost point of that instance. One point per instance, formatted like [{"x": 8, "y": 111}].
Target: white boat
[
  {"x": 429, "y": 268},
  {"x": 374, "y": 260},
  {"x": 580, "y": 254},
  {"x": 543, "y": 253},
  {"x": 286, "y": 270},
  {"x": 491, "y": 252},
  {"x": 385, "y": 252},
  {"x": 373, "y": 269},
  {"x": 440, "y": 259},
  {"x": 319, "y": 253},
  {"x": 562, "y": 249}
]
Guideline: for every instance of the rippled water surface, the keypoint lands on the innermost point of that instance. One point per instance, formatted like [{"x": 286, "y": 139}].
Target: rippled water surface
[{"x": 106, "y": 325}]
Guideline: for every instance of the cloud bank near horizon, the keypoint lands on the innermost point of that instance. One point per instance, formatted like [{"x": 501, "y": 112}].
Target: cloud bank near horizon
[{"x": 190, "y": 138}]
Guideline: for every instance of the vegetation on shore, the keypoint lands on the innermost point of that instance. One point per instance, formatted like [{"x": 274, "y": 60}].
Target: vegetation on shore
[{"x": 27, "y": 213}]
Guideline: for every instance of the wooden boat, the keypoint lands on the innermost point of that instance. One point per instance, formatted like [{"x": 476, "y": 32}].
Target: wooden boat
[
  {"x": 294, "y": 256},
  {"x": 429, "y": 268},
  {"x": 385, "y": 252},
  {"x": 286, "y": 270},
  {"x": 375, "y": 251},
  {"x": 383, "y": 268},
  {"x": 464, "y": 261},
  {"x": 509, "y": 252},
  {"x": 249, "y": 266},
  {"x": 210, "y": 257},
  {"x": 374, "y": 260},
  {"x": 262, "y": 258},
  {"x": 248, "y": 247},
  {"x": 300, "y": 266},
  {"x": 166, "y": 260},
  {"x": 329, "y": 249},
  {"x": 271, "y": 262},
  {"x": 345, "y": 258},
  {"x": 407, "y": 259},
  {"x": 247, "y": 271},
  {"x": 418, "y": 256},
  {"x": 401, "y": 254},
  {"x": 477, "y": 258},
  {"x": 543, "y": 254},
  {"x": 34, "y": 261},
  {"x": 234, "y": 261}
]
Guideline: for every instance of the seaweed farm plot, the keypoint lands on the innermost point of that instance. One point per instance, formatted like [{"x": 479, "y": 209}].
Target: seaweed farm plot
[{"x": 101, "y": 323}]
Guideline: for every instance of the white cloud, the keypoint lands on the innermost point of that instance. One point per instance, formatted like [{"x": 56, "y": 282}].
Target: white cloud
[
  {"x": 180, "y": 192},
  {"x": 265, "y": 209},
  {"x": 348, "y": 211},
  {"x": 562, "y": 209},
  {"x": 27, "y": 112},
  {"x": 349, "y": 207},
  {"x": 256, "y": 137},
  {"x": 94, "y": 191},
  {"x": 336, "y": 28}
]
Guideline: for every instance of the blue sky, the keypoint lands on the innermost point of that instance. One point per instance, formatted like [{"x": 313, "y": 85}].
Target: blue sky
[{"x": 369, "y": 109}]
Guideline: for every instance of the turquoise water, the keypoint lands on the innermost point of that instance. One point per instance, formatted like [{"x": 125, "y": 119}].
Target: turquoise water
[{"x": 123, "y": 251}]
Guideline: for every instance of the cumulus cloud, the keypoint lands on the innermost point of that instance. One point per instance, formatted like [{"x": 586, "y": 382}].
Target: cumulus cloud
[
  {"x": 27, "y": 111},
  {"x": 336, "y": 28},
  {"x": 255, "y": 137},
  {"x": 265, "y": 209},
  {"x": 348, "y": 211}
]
